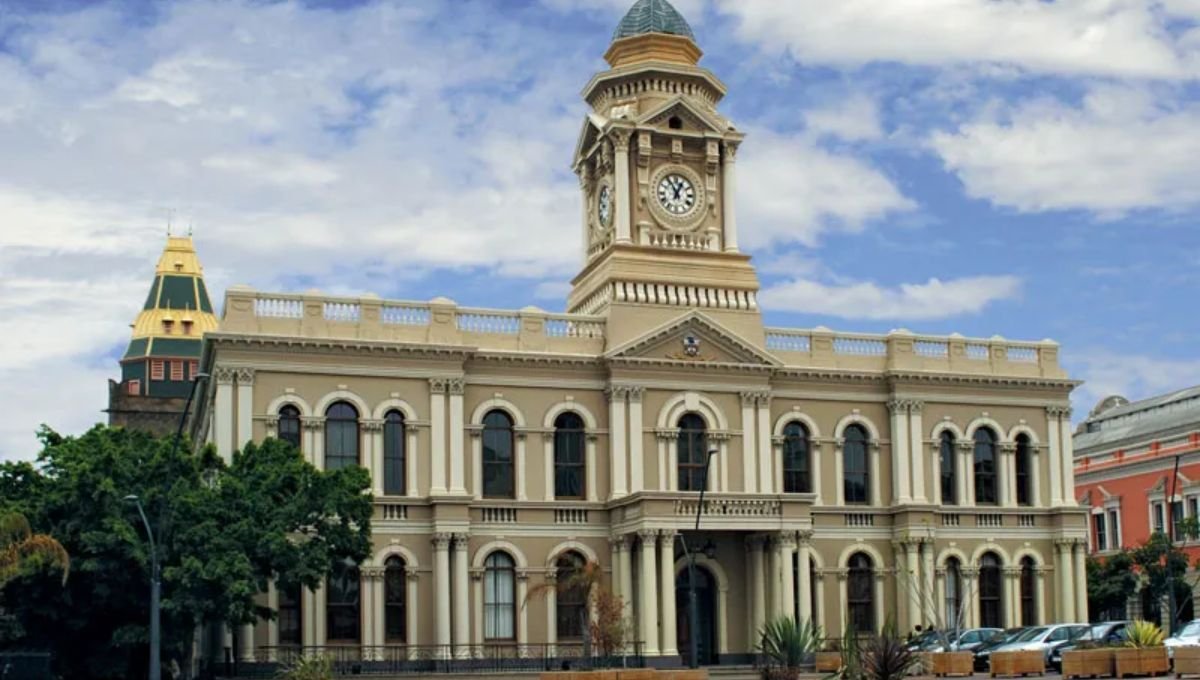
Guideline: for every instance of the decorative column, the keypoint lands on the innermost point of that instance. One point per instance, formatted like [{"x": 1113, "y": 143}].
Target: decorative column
[
  {"x": 766, "y": 461},
  {"x": 1065, "y": 606},
  {"x": 880, "y": 616},
  {"x": 616, "y": 546},
  {"x": 839, "y": 472},
  {"x": 1081, "y": 601},
  {"x": 411, "y": 583},
  {"x": 1011, "y": 599},
  {"x": 593, "y": 494},
  {"x": 940, "y": 602},
  {"x": 522, "y": 612},
  {"x": 626, "y": 542},
  {"x": 616, "y": 429},
  {"x": 803, "y": 563},
  {"x": 787, "y": 558},
  {"x": 749, "y": 423},
  {"x": 367, "y": 607},
  {"x": 272, "y": 624},
  {"x": 930, "y": 604},
  {"x": 519, "y": 465},
  {"x": 666, "y": 564},
  {"x": 901, "y": 469},
  {"x": 1068, "y": 457},
  {"x": 876, "y": 495},
  {"x": 550, "y": 579},
  {"x": 308, "y": 617},
  {"x": 476, "y": 432},
  {"x": 637, "y": 463},
  {"x": 373, "y": 453},
  {"x": 441, "y": 589},
  {"x": 312, "y": 426},
  {"x": 455, "y": 388},
  {"x": 728, "y": 204},
  {"x": 774, "y": 597},
  {"x": 648, "y": 606},
  {"x": 223, "y": 416},
  {"x": 246, "y": 642},
  {"x": 816, "y": 449},
  {"x": 1035, "y": 478},
  {"x": 245, "y": 406},
  {"x": 1041, "y": 606},
  {"x": 916, "y": 450},
  {"x": 965, "y": 477},
  {"x": 1054, "y": 437},
  {"x": 437, "y": 437},
  {"x": 321, "y": 597},
  {"x": 758, "y": 585},
  {"x": 624, "y": 206},
  {"x": 970, "y": 576},
  {"x": 933, "y": 450},
  {"x": 843, "y": 576},
  {"x": 1007, "y": 474},
  {"x": 912, "y": 565},
  {"x": 462, "y": 616}
]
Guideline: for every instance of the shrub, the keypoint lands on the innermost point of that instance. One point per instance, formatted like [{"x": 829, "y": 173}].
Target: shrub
[
  {"x": 1142, "y": 634},
  {"x": 788, "y": 644},
  {"x": 886, "y": 656},
  {"x": 308, "y": 668}
]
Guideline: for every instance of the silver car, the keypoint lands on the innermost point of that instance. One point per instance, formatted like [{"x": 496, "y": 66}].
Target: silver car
[
  {"x": 1045, "y": 639},
  {"x": 1187, "y": 636}
]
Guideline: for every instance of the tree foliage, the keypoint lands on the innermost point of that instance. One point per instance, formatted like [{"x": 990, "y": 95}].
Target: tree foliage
[
  {"x": 1110, "y": 582},
  {"x": 224, "y": 532},
  {"x": 1163, "y": 565}
]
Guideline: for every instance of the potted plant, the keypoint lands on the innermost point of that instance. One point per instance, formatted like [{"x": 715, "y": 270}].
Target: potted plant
[
  {"x": 885, "y": 657},
  {"x": 1143, "y": 653},
  {"x": 787, "y": 646},
  {"x": 1088, "y": 659}
]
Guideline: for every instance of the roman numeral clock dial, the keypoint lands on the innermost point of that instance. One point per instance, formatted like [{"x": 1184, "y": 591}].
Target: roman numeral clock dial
[{"x": 676, "y": 194}]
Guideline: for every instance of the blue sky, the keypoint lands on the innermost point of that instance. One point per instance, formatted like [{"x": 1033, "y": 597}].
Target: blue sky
[{"x": 1012, "y": 167}]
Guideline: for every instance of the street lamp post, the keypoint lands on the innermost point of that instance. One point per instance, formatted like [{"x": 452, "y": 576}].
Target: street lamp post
[
  {"x": 693, "y": 608},
  {"x": 155, "y": 567}
]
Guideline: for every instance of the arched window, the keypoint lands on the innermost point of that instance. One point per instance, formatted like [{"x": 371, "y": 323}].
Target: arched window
[
  {"x": 796, "y": 478},
  {"x": 860, "y": 593},
  {"x": 985, "y": 467},
  {"x": 1024, "y": 466},
  {"x": 572, "y": 597},
  {"x": 393, "y": 454},
  {"x": 1029, "y": 613},
  {"x": 291, "y": 615},
  {"x": 947, "y": 461},
  {"x": 856, "y": 469},
  {"x": 289, "y": 425},
  {"x": 954, "y": 601},
  {"x": 395, "y": 600},
  {"x": 499, "y": 597},
  {"x": 692, "y": 452},
  {"x": 498, "y": 473},
  {"x": 991, "y": 613},
  {"x": 341, "y": 436},
  {"x": 569, "y": 465},
  {"x": 343, "y": 603}
]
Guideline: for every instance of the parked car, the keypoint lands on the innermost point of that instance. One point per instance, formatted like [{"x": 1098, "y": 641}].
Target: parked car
[
  {"x": 1189, "y": 635},
  {"x": 1043, "y": 639},
  {"x": 929, "y": 641},
  {"x": 984, "y": 650},
  {"x": 1107, "y": 633},
  {"x": 974, "y": 638}
]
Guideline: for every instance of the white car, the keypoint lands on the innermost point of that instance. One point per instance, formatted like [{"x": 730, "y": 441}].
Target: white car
[
  {"x": 1188, "y": 636},
  {"x": 1045, "y": 638}
]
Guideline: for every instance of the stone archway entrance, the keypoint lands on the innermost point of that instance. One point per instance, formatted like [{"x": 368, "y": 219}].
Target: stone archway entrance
[{"x": 706, "y": 603}]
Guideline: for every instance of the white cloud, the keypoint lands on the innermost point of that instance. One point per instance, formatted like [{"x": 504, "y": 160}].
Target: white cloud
[
  {"x": 854, "y": 117},
  {"x": 934, "y": 299},
  {"x": 791, "y": 190},
  {"x": 1132, "y": 376},
  {"x": 1123, "y": 148},
  {"x": 1092, "y": 37}
]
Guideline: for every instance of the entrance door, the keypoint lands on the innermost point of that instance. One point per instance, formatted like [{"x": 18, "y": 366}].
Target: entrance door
[{"x": 706, "y": 605}]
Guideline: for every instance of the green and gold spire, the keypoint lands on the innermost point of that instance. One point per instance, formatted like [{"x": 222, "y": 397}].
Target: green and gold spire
[{"x": 162, "y": 354}]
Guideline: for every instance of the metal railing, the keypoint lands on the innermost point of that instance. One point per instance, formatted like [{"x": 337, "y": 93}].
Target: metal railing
[{"x": 426, "y": 659}]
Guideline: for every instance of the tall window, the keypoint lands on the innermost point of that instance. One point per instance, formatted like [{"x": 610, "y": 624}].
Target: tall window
[
  {"x": 947, "y": 461},
  {"x": 796, "y": 477},
  {"x": 860, "y": 593},
  {"x": 1114, "y": 523},
  {"x": 289, "y": 425},
  {"x": 985, "y": 466},
  {"x": 290, "y": 616},
  {"x": 1156, "y": 512},
  {"x": 1176, "y": 518},
  {"x": 693, "y": 449},
  {"x": 499, "y": 597},
  {"x": 498, "y": 474},
  {"x": 1101, "y": 534},
  {"x": 953, "y": 593},
  {"x": 395, "y": 600},
  {"x": 1029, "y": 612},
  {"x": 393, "y": 454},
  {"x": 572, "y": 597},
  {"x": 568, "y": 456},
  {"x": 855, "y": 467},
  {"x": 341, "y": 436},
  {"x": 1024, "y": 470},
  {"x": 342, "y": 608},
  {"x": 991, "y": 615}
]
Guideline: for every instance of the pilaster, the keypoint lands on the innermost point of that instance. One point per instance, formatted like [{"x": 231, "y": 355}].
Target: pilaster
[{"x": 437, "y": 437}]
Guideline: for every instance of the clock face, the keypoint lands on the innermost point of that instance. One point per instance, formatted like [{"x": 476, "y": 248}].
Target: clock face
[
  {"x": 676, "y": 194},
  {"x": 604, "y": 205}
]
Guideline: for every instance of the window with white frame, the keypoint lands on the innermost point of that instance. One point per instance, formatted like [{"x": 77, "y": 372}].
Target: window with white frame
[
  {"x": 1157, "y": 523},
  {"x": 1114, "y": 528},
  {"x": 1098, "y": 522},
  {"x": 1176, "y": 518}
]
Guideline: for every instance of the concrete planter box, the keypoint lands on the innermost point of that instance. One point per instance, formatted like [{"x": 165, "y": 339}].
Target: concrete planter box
[
  {"x": 1187, "y": 661},
  {"x": 828, "y": 662},
  {"x": 1018, "y": 663},
  {"x": 1146, "y": 661},
  {"x": 1096, "y": 663}
]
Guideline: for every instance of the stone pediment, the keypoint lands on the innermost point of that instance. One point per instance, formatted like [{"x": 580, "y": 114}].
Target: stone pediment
[
  {"x": 693, "y": 116},
  {"x": 693, "y": 338},
  {"x": 590, "y": 132}
]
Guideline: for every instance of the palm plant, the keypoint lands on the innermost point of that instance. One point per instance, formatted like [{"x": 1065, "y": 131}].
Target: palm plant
[
  {"x": 787, "y": 644},
  {"x": 886, "y": 657},
  {"x": 1142, "y": 634}
]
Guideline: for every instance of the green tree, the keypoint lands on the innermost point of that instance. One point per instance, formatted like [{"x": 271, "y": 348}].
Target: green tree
[
  {"x": 24, "y": 553},
  {"x": 1163, "y": 566},
  {"x": 1110, "y": 582},
  {"x": 225, "y": 532}
]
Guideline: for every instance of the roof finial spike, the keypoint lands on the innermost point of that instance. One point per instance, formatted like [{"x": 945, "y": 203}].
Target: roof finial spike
[{"x": 170, "y": 218}]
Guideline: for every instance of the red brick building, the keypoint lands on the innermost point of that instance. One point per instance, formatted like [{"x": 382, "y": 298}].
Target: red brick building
[{"x": 1125, "y": 457}]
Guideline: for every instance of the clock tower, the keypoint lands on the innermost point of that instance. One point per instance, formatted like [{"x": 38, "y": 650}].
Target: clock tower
[{"x": 656, "y": 164}]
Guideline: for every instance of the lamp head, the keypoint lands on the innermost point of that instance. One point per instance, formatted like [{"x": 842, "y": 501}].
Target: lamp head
[{"x": 132, "y": 498}]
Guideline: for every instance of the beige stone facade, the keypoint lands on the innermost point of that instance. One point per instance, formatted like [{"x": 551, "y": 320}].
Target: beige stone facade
[{"x": 845, "y": 515}]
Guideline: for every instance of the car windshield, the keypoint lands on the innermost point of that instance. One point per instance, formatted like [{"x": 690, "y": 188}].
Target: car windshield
[
  {"x": 1031, "y": 634},
  {"x": 1190, "y": 630},
  {"x": 1099, "y": 630},
  {"x": 1009, "y": 635}
]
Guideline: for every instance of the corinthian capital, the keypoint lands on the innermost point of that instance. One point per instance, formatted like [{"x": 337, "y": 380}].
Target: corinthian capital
[{"x": 224, "y": 376}]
